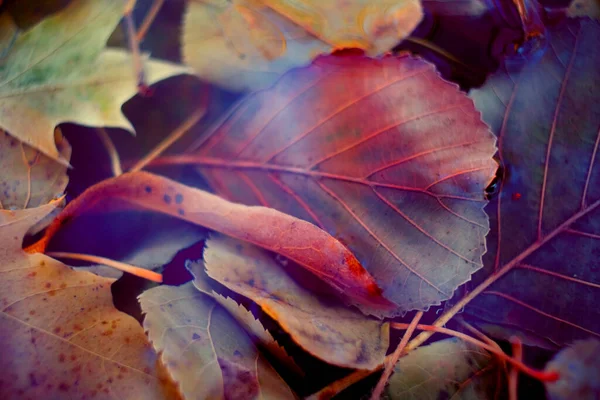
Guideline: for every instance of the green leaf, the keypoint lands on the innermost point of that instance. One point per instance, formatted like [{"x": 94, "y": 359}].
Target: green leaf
[
  {"x": 58, "y": 72},
  {"x": 446, "y": 369}
]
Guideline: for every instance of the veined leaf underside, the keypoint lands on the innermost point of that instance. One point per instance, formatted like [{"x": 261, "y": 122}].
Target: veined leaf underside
[{"x": 404, "y": 191}]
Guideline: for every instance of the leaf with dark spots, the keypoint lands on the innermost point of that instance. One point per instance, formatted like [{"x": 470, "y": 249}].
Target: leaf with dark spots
[
  {"x": 30, "y": 179},
  {"x": 542, "y": 271},
  {"x": 383, "y": 154},
  {"x": 329, "y": 331},
  {"x": 206, "y": 352},
  {"x": 447, "y": 369},
  {"x": 60, "y": 333},
  {"x": 289, "y": 236}
]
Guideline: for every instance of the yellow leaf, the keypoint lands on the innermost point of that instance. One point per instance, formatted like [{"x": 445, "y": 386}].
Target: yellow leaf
[
  {"x": 31, "y": 179},
  {"x": 244, "y": 46},
  {"x": 374, "y": 26},
  {"x": 248, "y": 44},
  {"x": 60, "y": 333},
  {"x": 57, "y": 72}
]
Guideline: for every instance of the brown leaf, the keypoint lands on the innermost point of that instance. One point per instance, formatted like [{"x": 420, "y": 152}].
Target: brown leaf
[
  {"x": 327, "y": 330},
  {"x": 30, "y": 179},
  {"x": 204, "y": 349},
  {"x": 60, "y": 333},
  {"x": 293, "y": 238}
]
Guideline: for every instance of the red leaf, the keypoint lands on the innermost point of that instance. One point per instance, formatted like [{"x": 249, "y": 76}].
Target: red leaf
[
  {"x": 293, "y": 238},
  {"x": 545, "y": 241},
  {"x": 382, "y": 154}
]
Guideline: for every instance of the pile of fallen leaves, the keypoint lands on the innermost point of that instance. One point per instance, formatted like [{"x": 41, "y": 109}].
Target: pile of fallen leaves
[{"x": 386, "y": 167}]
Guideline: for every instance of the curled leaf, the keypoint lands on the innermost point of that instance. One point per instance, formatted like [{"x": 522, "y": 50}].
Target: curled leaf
[{"x": 291, "y": 237}]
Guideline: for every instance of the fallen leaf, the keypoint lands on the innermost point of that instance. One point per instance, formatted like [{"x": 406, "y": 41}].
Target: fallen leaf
[
  {"x": 578, "y": 366},
  {"x": 248, "y": 44},
  {"x": 57, "y": 72},
  {"x": 60, "y": 333},
  {"x": 329, "y": 331},
  {"x": 291, "y": 237},
  {"x": 375, "y": 27},
  {"x": 204, "y": 349},
  {"x": 403, "y": 190},
  {"x": 261, "y": 337},
  {"x": 152, "y": 240},
  {"x": 449, "y": 368},
  {"x": 583, "y": 8},
  {"x": 243, "y": 47},
  {"x": 30, "y": 178},
  {"x": 545, "y": 238}
]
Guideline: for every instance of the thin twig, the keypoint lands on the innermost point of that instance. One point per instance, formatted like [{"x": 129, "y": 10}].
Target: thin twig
[
  {"x": 542, "y": 376},
  {"x": 336, "y": 387},
  {"x": 169, "y": 140},
  {"x": 134, "y": 46},
  {"x": 483, "y": 337},
  {"x": 513, "y": 377},
  {"x": 148, "y": 19},
  {"x": 113, "y": 154},
  {"x": 137, "y": 271},
  {"x": 391, "y": 363}
]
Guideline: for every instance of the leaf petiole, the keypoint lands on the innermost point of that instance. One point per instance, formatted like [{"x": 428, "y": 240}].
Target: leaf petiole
[{"x": 137, "y": 271}]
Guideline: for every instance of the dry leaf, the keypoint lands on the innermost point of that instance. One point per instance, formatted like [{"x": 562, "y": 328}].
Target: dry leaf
[
  {"x": 30, "y": 179},
  {"x": 206, "y": 352},
  {"x": 244, "y": 317},
  {"x": 382, "y": 154},
  {"x": 327, "y": 330},
  {"x": 374, "y": 26},
  {"x": 57, "y": 72},
  {"x": 291, "y": 237},
  {"x": 60, "y": 333},
  {"x": 243, "y": 46},
  {"x": 447, "y": 369},
  {"x": 248, "y": 44}
]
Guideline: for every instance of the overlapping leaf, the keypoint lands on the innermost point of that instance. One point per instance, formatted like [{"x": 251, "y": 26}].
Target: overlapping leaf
[
  {"x": 30, "y": 179},
  {"x": 375, "y": 27},
  {"x": 247, "y": 44},
  {"x": 60, "y": 333},
  {"x": 291, "y": 237},
  {"x": 382, "y": 154},
  {"x": 447, "y": 369},
  {"x": 327, "y": 330},
  {"x": 57, "y": 72},
  {"x": 545, "y": 240},
  {"x": 206, "y": 352}
]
